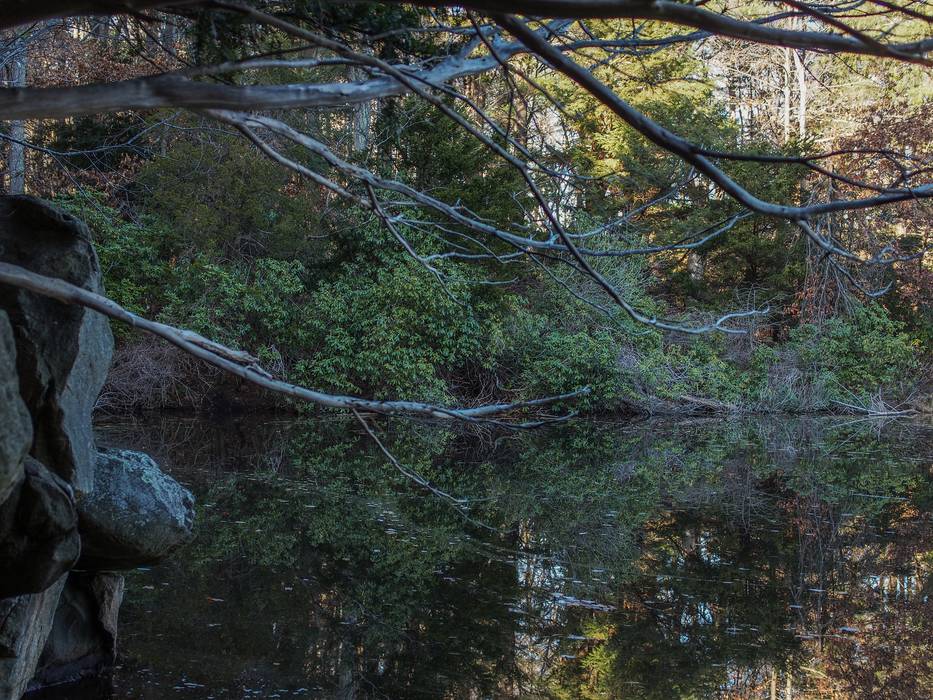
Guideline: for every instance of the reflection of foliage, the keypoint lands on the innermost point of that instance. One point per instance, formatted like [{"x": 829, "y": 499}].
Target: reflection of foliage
[
  {"x": 775, "y": 522},
  {"x": 728, "y": 552},
  {"x": 888, "y": 652}
]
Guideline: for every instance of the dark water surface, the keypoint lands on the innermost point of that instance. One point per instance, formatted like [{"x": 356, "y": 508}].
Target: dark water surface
[{"x": 697, "y": 559}]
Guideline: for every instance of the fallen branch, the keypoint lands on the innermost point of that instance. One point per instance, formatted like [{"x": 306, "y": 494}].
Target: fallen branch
[
  {"x": 245, "y": 366},
  {"x": 872, "y": 411}
]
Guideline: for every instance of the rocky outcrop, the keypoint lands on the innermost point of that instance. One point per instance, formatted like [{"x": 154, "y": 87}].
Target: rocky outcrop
[
  {"x": 16, "y": 435},
  {"x": 57, "y": 494},
  {"x": 62, "y": 352},
  {"x": 135, "y": 515},
  {"x": 39, "y": 539},
  {"x": 83, "y": 638},
  {"x": 25, "y": 623}
]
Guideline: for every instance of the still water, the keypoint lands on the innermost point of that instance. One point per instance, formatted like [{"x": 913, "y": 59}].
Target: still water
[{"x": 701, "y": 559}]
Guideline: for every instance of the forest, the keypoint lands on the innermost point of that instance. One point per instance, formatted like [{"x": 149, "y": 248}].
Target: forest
[
  {"x": 566, "y": 350},
  {"x": 424, "y": 296}
]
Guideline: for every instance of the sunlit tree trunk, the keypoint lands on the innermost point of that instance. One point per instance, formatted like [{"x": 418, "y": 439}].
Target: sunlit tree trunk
[
  {"x": 786, "y": 115},
  {"x": 695, "y": 266},
  {"x": 801, "y": 93}
]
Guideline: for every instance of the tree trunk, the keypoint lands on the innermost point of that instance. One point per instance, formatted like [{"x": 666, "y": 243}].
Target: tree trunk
[
  {"x": 802, "y": 93},
  {"x": 786, "y": 115},
  {"x": 362, "y": 117},
  {"x": 695, "y": 266},
  {"x": 17, "y": 165}
]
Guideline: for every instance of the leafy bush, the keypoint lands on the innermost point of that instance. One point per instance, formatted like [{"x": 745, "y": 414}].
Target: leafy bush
[
  {"x": 564, "y": 362},
  {"x": 864, "y": 351},
  {"x": 383, "y": 326},
  {"x": 250, "y": 306},
  {"x": 672, "y": 371},
  {"x": 868, "y": 349},
  {"x": 389, "y": 332},
  {"x": 133, "y": 255},
  {"x": 221, "y": 199}
]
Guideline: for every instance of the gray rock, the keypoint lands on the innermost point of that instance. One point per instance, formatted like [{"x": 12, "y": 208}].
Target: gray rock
[
  {"x": 63, "y": 352},
  {"x": 83, "y": 638},
  {"x": 136, "y": 514},
  {"x": 39, "y": 538},
  {"x": 108, "y": 592},
  {"x": 25, "y": 623},
  {"x": 16, "y": 435},
  {"x": 54, "y": 359}
]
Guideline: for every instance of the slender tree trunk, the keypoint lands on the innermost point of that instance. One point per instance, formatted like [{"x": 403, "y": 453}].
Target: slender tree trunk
[
  {"x": 786, "y": 114},
  {"x": 695, "y": 266},
  {"x": 17, "y": 164},
  {"x": 801, "y": 93},
  {"x": 362, "y": 118}
]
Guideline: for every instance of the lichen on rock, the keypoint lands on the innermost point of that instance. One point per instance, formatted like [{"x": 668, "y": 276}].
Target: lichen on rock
[{"x": 135, "y": 515}]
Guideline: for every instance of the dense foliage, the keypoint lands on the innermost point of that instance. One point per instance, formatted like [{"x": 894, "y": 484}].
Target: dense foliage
[{"x": 195, "y": 228}]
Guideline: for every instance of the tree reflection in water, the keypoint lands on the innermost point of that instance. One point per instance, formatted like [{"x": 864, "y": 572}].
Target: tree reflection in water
[{"x": 704, "y": 559}]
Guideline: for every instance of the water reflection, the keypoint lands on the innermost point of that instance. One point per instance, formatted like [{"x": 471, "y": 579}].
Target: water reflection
[{"x": 690, "y": 560}]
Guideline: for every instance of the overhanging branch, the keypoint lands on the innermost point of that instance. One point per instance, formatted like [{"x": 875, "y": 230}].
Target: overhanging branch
[
  {"x": 692, "y": 15},
  {"x": 172, "y": 90},
  {"x": 243, "y": 365}
]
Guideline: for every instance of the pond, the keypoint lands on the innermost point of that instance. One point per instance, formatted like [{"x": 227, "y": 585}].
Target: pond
[{"x": 694, "y": 559}]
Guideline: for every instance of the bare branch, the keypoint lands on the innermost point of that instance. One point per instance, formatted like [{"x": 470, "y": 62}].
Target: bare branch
[
  {"x": 689, "y": 152},
  {"x": 692, "y": 15},
  {"x": 245, "y": 366},
  {"x": 176, "y": 90}
]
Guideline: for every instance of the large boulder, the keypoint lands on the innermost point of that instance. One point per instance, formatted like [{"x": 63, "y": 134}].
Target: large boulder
[
  {"x": 25, "y": 623},
  {"x": 54, "y": 358},
  {"x": 136, "y": 514},
  {"x": 83, "y": 638},
  {"x": 39, "y": 538},
  {"x": 63, "y": 352},
  {"x": 16, "y": 434}
]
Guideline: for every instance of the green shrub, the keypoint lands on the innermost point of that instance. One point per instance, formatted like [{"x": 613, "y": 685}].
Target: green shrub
[
  {"x": 561, "y": 362},
  {"x": 388, "y": 332},
  {"x": 133, "y": 255},
  {"x": 221, "y": 198},
  {"x": 697, "y": 369},
  {"x": 863, "y": 352},
  {"x": 248, "y": 306},
  {"x": 383, "y": 326}
]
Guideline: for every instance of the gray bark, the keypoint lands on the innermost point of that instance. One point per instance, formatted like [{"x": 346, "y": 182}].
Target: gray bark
[
  {"x": 177, "y": 91},
  {"x": 695, "y": 266},
  {"x": 17, "y": 163},
  {"x": 786, "y": 115},
  {"x": 801, "y": 93}
]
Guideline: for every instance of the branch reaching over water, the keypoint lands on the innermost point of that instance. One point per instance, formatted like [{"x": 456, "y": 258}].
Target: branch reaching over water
[{"x": 245, "y": 366}]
